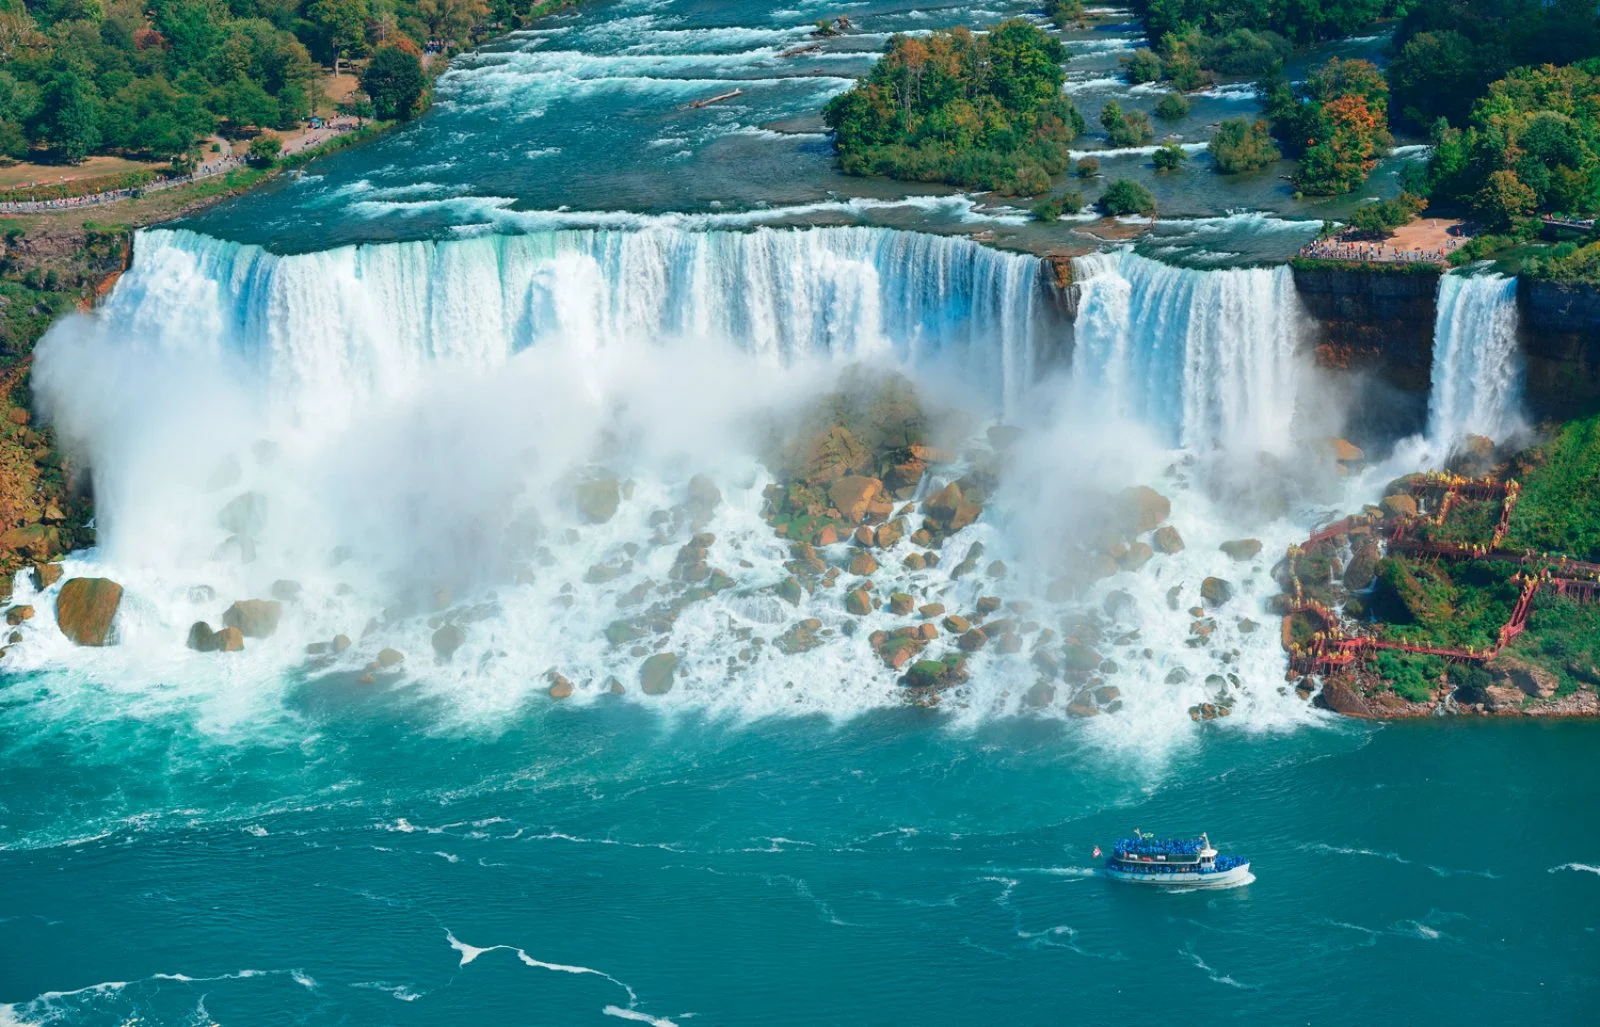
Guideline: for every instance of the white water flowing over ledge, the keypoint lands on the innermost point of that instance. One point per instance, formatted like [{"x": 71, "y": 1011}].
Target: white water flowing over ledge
[
  {"x": 1477, "y": 362},
  {"x": 323, "y": 329},
  {"x": 1207, "y": 358},
  {"x": 417, "y": 407}
]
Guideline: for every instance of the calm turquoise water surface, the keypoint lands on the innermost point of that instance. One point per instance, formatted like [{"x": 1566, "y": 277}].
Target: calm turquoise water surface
[{"x": 886, "y": 871}]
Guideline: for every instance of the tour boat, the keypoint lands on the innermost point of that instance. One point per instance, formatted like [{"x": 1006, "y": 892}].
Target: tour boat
[{"x": 1174, "y": 862}]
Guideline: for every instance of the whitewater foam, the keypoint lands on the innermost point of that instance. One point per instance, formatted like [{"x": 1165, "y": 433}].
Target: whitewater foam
[{"x": 1477, "y": 360}]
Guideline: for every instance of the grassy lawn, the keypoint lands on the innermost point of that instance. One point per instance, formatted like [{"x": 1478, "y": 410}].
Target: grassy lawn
[{"x": 93, "y": 167}]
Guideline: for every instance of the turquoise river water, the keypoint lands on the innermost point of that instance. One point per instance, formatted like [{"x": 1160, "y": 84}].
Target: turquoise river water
[{"x": 407, "y": 352}]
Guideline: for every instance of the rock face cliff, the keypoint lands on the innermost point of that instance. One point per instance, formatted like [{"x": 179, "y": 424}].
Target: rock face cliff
[
  {"x": 1560, "y": 335},
  {"x": 1373, "y": 319}
]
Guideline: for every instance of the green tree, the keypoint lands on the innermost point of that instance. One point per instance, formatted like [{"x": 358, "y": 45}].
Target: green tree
[
  {"x": 1125, "y": 196},
  {"x": 1172, "y": 107},
  {"x": 1141, "y": 66},
  {"x": 13, "y": 140},
  {"x": 394, "y": 82},
  {"x": 341, "y": 26},
  {"x": 1125, "y": 128},
  {"x": 1170, "y": 156},
  {"x": 1242, "y": 145},
  {"x": 245, "y": 104},
  {"x": 69, "y": 116},
  {"x": 264, "y": 150}
]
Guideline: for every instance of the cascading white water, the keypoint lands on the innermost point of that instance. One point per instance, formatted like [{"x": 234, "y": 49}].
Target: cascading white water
[
  {"x": 327, "y": 328},
  {"x": 1477, "y": 363},
  {"x": 412, "y": 417},
  {"x": 1206, "y": 358}
]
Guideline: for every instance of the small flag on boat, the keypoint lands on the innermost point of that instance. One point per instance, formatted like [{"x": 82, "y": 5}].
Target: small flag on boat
[{"x": 1097, "y": 852}]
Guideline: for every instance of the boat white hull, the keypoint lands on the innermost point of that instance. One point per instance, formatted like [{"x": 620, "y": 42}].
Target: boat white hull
[{"x": 1221, "y": 879}]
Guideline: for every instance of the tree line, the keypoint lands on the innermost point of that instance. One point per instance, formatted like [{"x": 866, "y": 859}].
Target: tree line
[{"x": 149, "y": 78}]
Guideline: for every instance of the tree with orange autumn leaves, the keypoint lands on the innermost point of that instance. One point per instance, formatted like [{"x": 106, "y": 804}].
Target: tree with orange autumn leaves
[{"x": 1336, "y": 122}]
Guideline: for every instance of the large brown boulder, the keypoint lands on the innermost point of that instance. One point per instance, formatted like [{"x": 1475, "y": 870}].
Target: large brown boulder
[
  {"x": 657, "y": 673},
  {"x": 1216, "y": 591},
  {"x": 1340, "y": 697},
  {"x": 853, "y": 496},
  {"x": 1240, "y": 550},
  {"x": 1167, "y": 540},
  {"x": 1363, "y": 566},
  {"x": 1142, "y": 509},
  {"x": 245, "y": 514},
  {"x": 597, "y": 497},
  {"x": 1399, "y": 505},
  {"x": 255, "y": 618},
  {"x": 86, "y": 609},
  {"x": 951, "y": 509},
  {"x": 448, "y": 639},
  {"x": 1473, "y": 456},
  {"x": 1534, "y": 681},
  {"x": 1345, "y": 452}
]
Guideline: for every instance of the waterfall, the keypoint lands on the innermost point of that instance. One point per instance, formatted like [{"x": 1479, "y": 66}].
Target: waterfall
[
  {"x": 1477, "y": 364},
  {"x": 1205, "y": 358},
  {"x": 323, "y": 329}
]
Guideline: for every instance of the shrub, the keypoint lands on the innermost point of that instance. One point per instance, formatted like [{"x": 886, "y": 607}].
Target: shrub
[
  {"x": 1242, "y": 145},
  {"x": 1170, "y": 156},
  {"x": 1411, "y": 676},
  {"x": 1087, "y": 167},
  {"x": 1125, "y": 128},
  {"x": 1172, "y": 107},
  {"x": 1127, "y": 197},
  {"x": 1053, "y": 207},
  {"x": 1141, "y": 66}
]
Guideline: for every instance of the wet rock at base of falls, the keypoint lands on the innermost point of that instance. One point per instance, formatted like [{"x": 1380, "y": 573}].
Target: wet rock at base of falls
[
  {"x": 1240, "y": 550},
  {"x": 1119, "y": 604},
  {"x": 790, "y": 591},
  {"x": 656, "y": 674},
  {"x": 1039, "y": 694},
  {"x": 340, "y": 643},
  {"x": 388, "y": 659},
  {"x": 957, "y": 624},
  {"x": 1216, "y": 591},
  {"x": 901, "y": 604},
  {"x": 853, "y": 496},
  {"x": 1363, "y": 566},
  {"x": 448, "y": 639},
  {"x": 1138, "y": 554},
  {"x": 285, "y": 590},
  {"x": 858, "y": 602},
  {"x": 888, "y": 533},
  {"x": 201, "y": 638},
  {"x": 1345, "y": 452},
  {"x": 255, "y": 618},
  {"x": 1472, "y": 457},
  {"x": 972, "y": 640},
  {"x": 1167, "y": 540},
  {"x": 230, "y": 640},
  {"x": 1174, "y": 596},
  {"x": 950, "y": 509},
  {"x": 45, "y": 574},
  {"x": 1399, "y": 505},
  {"x": 1141, "y": 509},
  {"x": 897, "y": 648},
  {"x": 17, "y": 614},
  {"x": 560, "y": 686},
  {"x": 1340, "y": 696},
  {"x": 1534, "y": 681},
  {"x": 930, "y": 611},
  {"x": 597, "y": 496},
  {"x": 245, "y": 514},
  {"x": 933, "y": 675},
  {"x": 86, "y": 609},
  {"x": 863, "y": 565},
  {"x": 704, "y": 498}
]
